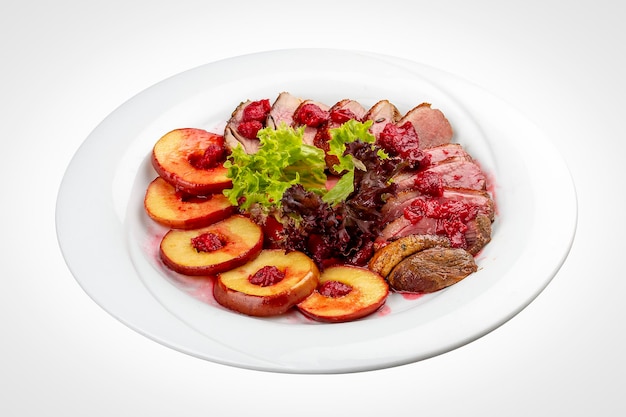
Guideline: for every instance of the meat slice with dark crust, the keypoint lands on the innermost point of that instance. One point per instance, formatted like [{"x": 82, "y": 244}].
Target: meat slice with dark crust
[
  {"x": 352, "y": 106},
  {"x": 386, "y": 258},
  {"x": 431, "y": 270},
  {"x": 232, "y": 137},
  {"x": 309, "y": 131},
  {"x": 478, "y": 234},
  {"x": 282, "y": 110},
  {"x": 431, "y": 125},
  {"x": 394, "y": 207},
  {"x": 381, "y": 113}
]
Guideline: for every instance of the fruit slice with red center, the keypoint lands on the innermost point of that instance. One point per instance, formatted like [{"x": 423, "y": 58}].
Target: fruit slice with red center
[
  {"x": 192, "y": 160},
  {"x": 180, "y": 211},
  {"x": 269, "y": 285},
  {"x": 345, "y": 293},
  {"x": 197, "y": 252}
]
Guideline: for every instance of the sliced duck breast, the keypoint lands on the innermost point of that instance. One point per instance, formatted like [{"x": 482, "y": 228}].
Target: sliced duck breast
[
  {"x": 394, "y": 207},
  {"x": 458, "y": 172},
  {"x": 382, "y": 113},
  {"x": 478, "y": 234},
  {"x": 440, "y": 153},
  {"x": 312, "y": 115},
  {"x": 282, "y": 110},
  {"x": 349, "y": 109},
  {"x": 232, "y": 136},
  {"x": 401, "y": 227},
  {"x": 431, "y": 270},
  {"x": 432, "y": 126}
]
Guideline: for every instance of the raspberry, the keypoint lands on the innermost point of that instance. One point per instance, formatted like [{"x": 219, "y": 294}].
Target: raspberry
[
  {"x": 207, "y": 242},
  {"x": 268, "y": 275},
  {"x": 249, "y": 129},
  {"x": 334, "y": 289}
]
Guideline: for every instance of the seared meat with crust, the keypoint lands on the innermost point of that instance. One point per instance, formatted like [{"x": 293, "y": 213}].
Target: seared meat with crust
[
  {"x": 350, "y": 105},
  {"x": 398, "y": 225},
  {"x": 386, "y": 258},
  {"x": 232, "y": 137},
  {"x": 309, "y": 131},
  {"x": 478, "y": 234},
  {"x": 431, "y": 270},
  {"x": 394, "y": 207},
  {"x": 431, "y": 125},
  {"x": 283, "y": 110},
  {"x": 382, "y": 113}
]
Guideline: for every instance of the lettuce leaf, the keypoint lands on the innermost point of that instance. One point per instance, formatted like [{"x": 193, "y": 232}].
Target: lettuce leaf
[
  {"x": 282, "y": 160},
  {"x": 347, "y": 133}
]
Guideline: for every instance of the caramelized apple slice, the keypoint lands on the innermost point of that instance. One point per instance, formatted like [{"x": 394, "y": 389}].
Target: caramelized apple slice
[
  {"x": 345, "y": 293},
  {"x": 269, "y": 285},
  {"x": 181, "y": 211},
  {"x": 213, "y": 249},
  {"x": 192, "y": 160}
]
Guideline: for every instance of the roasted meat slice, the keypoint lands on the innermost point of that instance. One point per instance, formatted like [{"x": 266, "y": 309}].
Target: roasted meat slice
[
  {"x": 458, "y": 172},
  {"x": 394, "y": 207},
  {"x": 339, "y": 113},
  {"x": 431, "y": 125},
  {"x": 478, "y": 234},
  {"x": 404, "y": 216},
  {"x": 381, "y": 113},
  {"x": 312, "y": 115},
  {"x": 439, "y": 154},
  {"x": 431, "y": 270},
  {"x": 350, "y": 109},
  {"x": 387, "y": 257},
  {"x": 232, "y": 136},
  {"x": 402, "y": 226},
  {"x": 282, "y": 110}
]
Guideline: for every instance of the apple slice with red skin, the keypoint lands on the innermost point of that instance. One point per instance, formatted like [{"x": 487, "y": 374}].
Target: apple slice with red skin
[
  {"x": 236, "y": 240},
  {"x": 345, "y": 293},
  {"x": 237, "y": 289},
  {"x": 178, "y": 158},
  {"x": 180, "y": 211}
]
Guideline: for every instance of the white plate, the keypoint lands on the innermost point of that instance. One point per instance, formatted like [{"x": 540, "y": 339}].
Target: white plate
[{"x": 110, "y": 245}]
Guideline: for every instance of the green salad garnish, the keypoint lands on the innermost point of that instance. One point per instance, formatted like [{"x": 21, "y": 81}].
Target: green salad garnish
[{"x": 283, "y": 160}]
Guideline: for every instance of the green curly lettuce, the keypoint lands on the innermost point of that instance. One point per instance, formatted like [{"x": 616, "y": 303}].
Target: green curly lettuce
[
  {"x": 348, "y": 132},
  {"x": 283, "y": 160}
]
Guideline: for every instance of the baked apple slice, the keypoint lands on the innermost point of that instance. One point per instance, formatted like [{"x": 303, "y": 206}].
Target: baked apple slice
[
  {"x": 192, "y": 160},
  {"x": 269, "y": 285},
  {"x": 213, "y": 249},
  {"x": 178, "y": 210},
  {"x": 345, "y": 293}
]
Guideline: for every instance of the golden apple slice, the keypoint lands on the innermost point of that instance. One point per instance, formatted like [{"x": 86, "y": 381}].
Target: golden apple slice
[
  {"x": 192, "y": 160},
  {"x": 180, "y": 211},
  {"x": 345, "y": 293},
  {"x": 269, "y": 285},
  {"x": 212, "y": 249}
]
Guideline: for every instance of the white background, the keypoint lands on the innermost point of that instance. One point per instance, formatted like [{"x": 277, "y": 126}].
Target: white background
[{"x": 67, "y": 64}]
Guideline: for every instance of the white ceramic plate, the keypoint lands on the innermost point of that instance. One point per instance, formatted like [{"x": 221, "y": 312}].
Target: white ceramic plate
[{"x": 111, "y": 246}]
